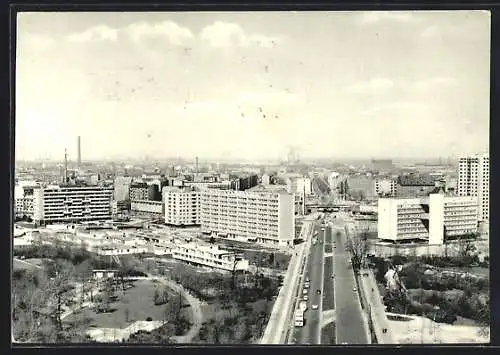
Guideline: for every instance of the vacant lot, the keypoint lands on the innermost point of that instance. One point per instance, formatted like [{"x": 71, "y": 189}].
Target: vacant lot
[{"x": 136, "y": 301}]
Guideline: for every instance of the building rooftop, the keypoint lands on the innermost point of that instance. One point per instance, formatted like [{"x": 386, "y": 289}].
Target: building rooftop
[{"x": 416, "y": 180}]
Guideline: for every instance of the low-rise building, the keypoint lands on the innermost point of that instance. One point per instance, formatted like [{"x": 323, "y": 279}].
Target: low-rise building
[
  {"x": 210, "y": 256},
  {"x": 147, "y": 208}
]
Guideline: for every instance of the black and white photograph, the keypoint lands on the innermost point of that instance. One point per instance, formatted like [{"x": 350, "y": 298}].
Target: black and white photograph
[{"x": 251, "y": 177}]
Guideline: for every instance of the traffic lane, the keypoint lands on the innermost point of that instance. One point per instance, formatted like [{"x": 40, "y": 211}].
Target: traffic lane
[
  {"x": 328, "y": 292},
  {"x": 316, "y": 284},
  {"x": 350, "y": 321},
  {"x": 310, "y": 330},
  {"x": 303, "y": 337}
]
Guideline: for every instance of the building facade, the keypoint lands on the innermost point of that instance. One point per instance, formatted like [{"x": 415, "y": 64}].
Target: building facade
[
  {"x": 122, "y": 188},
  {"x": 139, "y": 191},
  {"x": 474, "y": 180},
  {"x": 182, "y": 206},
  {"x": 415, "y": 185},
  {"x": 435, "y": 218},
  {"x": 71, "y": 204},
  {"x": 147, "y": 207},
  {"x": 259, "y": 216},
  {"x": 299, "y": 186},
  {"x": 210, "y": 256},
  {"x": 385, "y": 187}
]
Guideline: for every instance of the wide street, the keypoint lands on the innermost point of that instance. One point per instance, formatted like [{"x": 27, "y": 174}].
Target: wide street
[
  {"x": 311, "y": 332},
  {"x": 350, "y": 326}
]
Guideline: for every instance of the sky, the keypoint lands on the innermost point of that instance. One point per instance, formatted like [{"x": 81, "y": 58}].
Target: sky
[{"x": 252, "y": 85}]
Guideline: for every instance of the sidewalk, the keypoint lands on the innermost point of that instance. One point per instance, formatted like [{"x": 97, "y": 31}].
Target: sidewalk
[{"x": 376, "y": 308}]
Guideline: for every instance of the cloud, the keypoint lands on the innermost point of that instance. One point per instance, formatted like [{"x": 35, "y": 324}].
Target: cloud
[
  {"x": 176, "y": 34},
  {"x": 398, "y": 106},
  {"x": 375, "y": 84},
  {"x": 371, "y": 17},
  {"x": 225, "y": 34},
  {"x": 38, "y": 41},
  {"x": 268, "y": 98},
  {"x": 432, "y": 83},
  {"x": 96, "y": 33}
]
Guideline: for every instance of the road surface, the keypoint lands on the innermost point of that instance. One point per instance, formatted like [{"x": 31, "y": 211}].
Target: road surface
[
  {"x": 311, "y": 332},
  {"x": 350, "y": 326},
  {"x": 328, "y": 293}
]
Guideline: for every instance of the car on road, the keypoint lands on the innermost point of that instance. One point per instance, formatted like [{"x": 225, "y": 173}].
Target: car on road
[
  {"x": 314, "y": 306},
  {"x": 307, "y": 279},
  {"x": 304, "y": 291},
  {"x": 333, "y": 276},
  {"x": 354, "y": 289},
  {"x": 306, "y": 298},
  {"x": 318, "y": 292},
  {"x": 306, "y": 285}
]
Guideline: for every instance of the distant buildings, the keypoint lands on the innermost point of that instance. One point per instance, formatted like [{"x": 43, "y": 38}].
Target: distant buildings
[
  {"x": 474, "y": 180},
  {"x": 122, "y": 188},
  {"x": 143, "y": 191},
  {"x": 182, "y": 206},
  {"x": 416, "y": 185},
  {"x": 245, "y": 182},
  {"x": 299, "y": 185},
  {"x": 71, "y": 204},
  {"x": 257, "y": 216},
  {"x": 382, "y": 165},
  {"x": 434, "y": 218}
]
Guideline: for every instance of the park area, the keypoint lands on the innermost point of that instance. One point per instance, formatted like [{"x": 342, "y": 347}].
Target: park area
[{"x": 134, "y": 304}]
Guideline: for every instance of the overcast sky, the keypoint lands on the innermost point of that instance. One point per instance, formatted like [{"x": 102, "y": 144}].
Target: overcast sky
[{"x": 252, "y": 85}]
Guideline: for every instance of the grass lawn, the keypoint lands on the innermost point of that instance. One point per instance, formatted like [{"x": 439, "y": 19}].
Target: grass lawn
[{"x": 138, "y": 300}]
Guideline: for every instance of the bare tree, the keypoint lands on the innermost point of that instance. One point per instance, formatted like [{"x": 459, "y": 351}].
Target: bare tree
[{"x": 357, "y": 246}]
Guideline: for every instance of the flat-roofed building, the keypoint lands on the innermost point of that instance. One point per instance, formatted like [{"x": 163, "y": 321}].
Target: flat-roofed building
[
  {"x": 210, "y": 256},
  {"x": 474, "y": 180},
  {"x": 385, "y": 187},
  {"x": 71, "y": 204},
  {"x": 435, "y": 218},
  {"x": 147, "y": 207},
  {"x": 182, "y": 206},
  {"x": 299, "y": 185},
  {"x": 250, "y": 215}
]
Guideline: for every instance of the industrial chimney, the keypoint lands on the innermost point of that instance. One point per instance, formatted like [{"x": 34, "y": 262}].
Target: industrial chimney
[
  {"x": 196, "y": 166},
  {"x": 65, "y": 166},
  {"x": 79, "y": 152}
]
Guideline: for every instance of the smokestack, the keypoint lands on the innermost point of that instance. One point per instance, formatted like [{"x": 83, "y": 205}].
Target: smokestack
[
  {"x": 304, "y": 197},
  {"x": 196, "y": 165},
  {"x": 65, "y": 166},
  {"x": 79, "y": 153}
]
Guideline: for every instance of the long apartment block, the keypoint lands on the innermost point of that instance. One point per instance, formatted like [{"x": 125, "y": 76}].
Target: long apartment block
[
  {"x": 255, "y": 216},
  {"x": 433, "y": 218},
  {"x": 57, "y": 204}
]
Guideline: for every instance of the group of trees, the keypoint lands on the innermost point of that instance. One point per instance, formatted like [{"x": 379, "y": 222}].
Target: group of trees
[{"x": 438, "y": 296}]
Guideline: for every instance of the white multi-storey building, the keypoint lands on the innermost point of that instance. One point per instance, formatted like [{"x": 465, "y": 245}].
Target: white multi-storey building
[
  {"x": 385, "y": 187},
  {"x": 210, "y": 256},
  {"x": 433, "y": 218},
  {"x": 23, "y": 198},
  {"x": 298, "y": 185},
  {"x": 182, "y": 206},
  {"x": 250, "y": 215},
  {"x": 474, "y": 180},
  {"x": 71, "y": 204}
]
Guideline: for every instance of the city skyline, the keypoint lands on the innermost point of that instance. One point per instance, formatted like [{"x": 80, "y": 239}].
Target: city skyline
[{"x": 251, "y": 85}]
